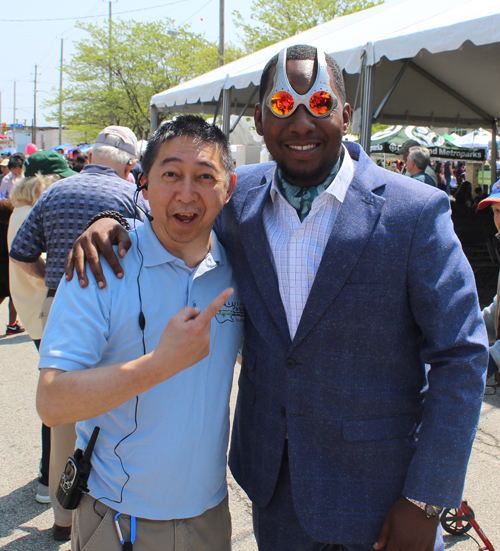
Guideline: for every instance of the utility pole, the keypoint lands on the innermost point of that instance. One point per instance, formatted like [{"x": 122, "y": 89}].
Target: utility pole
[
  {"x": 221, "y": 32},
  {"x": 61, "y": 91},
  {"x": 14, "y": 118},
  {"x": 109, "y": 41},
  {"x": 110, "y": 57},
  {"x": 33, "y": 131}
]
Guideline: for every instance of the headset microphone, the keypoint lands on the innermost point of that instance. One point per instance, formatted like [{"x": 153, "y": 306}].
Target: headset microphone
[{"x": 146, "y": 213}]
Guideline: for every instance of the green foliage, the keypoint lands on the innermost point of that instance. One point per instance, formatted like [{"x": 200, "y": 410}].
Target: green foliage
[
  {"x": 113, "y": 82},
  {"x": 377, "y": 127},
  {"x": 279, "y": 19}
]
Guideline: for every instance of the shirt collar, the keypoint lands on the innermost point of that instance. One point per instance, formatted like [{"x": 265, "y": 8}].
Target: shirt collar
[
  {"x": 338, "y": 187},
  {"x": 155, "y": 254},
  {"x": 99, "y": 169}
]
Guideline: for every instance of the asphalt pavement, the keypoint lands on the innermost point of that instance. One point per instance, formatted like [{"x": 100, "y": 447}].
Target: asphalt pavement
[{"x": 25, "y": 524}]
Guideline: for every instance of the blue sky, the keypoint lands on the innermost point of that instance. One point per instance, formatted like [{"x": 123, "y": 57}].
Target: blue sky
[{"x": 26, "y": 43}]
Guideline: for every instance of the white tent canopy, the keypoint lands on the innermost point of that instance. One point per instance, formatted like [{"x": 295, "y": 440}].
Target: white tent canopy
[
  {"x": 420, "y": 62},
  {"x": 476, "y": 139}
]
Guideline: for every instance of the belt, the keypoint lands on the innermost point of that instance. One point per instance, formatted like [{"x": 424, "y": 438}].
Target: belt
[{"x": 51, "y": 292}]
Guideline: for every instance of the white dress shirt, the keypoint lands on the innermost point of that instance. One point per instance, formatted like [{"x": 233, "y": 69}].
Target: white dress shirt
[{"x": 298, "y": 247}]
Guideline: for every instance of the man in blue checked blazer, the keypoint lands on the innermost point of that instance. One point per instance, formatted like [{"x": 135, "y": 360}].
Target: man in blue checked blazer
[
  {"x": 353, "y": 280},
  {"x": 332, "y": 426}
]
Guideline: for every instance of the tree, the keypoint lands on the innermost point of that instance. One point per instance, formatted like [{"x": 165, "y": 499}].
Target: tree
[
  {"x": 112, "y": 81},
  {"x": 279, "y": 19}
]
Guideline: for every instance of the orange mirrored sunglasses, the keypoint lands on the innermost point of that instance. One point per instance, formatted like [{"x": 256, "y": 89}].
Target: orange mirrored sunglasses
[{"x": 319, "y": 104}]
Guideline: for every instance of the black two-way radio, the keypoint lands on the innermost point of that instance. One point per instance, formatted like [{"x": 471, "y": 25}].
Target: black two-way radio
[{"x": 73, "y": 483}]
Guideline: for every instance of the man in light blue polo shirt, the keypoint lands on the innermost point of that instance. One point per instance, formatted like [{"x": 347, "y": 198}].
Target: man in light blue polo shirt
[{"x": 117, "y": 359}]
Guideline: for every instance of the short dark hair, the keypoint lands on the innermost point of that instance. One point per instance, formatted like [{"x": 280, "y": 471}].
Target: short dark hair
[
  {"x": 194, "y": 127},
  {"x": 302, "y": 52},
  {"x": 16, "y": 161}
]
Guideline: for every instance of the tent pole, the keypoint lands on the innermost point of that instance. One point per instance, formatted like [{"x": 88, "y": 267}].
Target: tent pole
[
  {"x": 154, "y": 118},
  {"x": 226, "y": 112},
  {"x": 367, "y": 107},
  {"x": 494, "y": 152},
  {"x": 244, "y": 109},
  {"x": 391, "y": 89}
]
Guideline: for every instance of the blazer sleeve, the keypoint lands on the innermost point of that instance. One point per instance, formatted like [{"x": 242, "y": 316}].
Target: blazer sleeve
[{"x": 443, "y": 299}]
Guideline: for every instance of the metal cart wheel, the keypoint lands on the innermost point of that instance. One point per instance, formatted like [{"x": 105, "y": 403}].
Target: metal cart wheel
[{"x": 455, "y": 522}]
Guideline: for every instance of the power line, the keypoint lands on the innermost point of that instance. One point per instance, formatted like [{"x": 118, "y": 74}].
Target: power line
[
  {"x": 90, "y": 16},
  {"x": 193, "y": 14}
]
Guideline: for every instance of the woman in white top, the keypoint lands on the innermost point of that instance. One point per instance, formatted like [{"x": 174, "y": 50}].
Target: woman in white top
[{"x": 28, "y": 292}]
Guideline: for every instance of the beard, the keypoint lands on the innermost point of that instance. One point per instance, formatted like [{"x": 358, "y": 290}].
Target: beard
[{"x": 306, "y": 178}]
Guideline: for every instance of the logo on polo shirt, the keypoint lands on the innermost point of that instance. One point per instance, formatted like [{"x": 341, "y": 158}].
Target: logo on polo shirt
[{"x": 232, "y": 311}]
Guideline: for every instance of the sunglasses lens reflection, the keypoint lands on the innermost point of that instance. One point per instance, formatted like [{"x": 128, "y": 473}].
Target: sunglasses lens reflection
[
  {"x": 321, "y": 103},
  {"x": 282, "y": 103}
]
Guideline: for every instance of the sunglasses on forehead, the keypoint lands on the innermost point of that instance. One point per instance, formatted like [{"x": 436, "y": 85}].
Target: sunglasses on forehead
[{"x": 283, "y": 100}]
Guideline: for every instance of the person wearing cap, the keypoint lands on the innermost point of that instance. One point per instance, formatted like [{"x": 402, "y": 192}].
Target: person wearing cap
[
  {"x": 405, "y": 150},
  {"x": 54, "y": 223},
  {"x": 491, "y": 314}
]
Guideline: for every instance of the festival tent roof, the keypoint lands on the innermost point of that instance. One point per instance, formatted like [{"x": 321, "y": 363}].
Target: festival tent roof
[
  {"x": 477, "y": 138},
  {"x": 423, "y": 62},
  {"x": 391, "y": 139}
]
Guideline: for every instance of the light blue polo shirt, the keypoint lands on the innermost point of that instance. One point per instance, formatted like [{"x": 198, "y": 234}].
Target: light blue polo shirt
[{"x": 176, "y": 458}]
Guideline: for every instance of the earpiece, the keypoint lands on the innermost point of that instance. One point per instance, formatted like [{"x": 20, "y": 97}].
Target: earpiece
[{"x": 140, "y": 186}]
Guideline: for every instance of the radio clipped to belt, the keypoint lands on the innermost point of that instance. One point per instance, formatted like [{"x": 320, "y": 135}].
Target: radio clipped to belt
[
  {"x": 127, "y": 545},
  {"x": 73, "y": 483}
]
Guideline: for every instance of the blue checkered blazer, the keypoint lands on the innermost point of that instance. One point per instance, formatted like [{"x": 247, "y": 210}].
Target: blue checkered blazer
[{"x": 394, "y": 292}]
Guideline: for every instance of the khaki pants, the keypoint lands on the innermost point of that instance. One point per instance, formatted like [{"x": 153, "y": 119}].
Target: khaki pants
[
  {"x": 210, "y": 531},
  {"x": 44, "y": 313}
]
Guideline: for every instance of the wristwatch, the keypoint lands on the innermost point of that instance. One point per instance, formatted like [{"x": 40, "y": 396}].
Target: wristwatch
[{"x": 431, "y": 511}]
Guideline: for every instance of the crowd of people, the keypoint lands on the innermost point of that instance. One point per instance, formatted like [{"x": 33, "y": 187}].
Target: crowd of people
[
  {"x": 447, "y": 175},
  {"x": 343, "y": 287}
]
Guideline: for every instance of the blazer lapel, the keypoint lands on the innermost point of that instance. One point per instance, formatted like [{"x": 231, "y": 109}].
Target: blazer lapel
[
  {"x": 355, "y": 221},
  {"x": 259, "y": 255}
]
